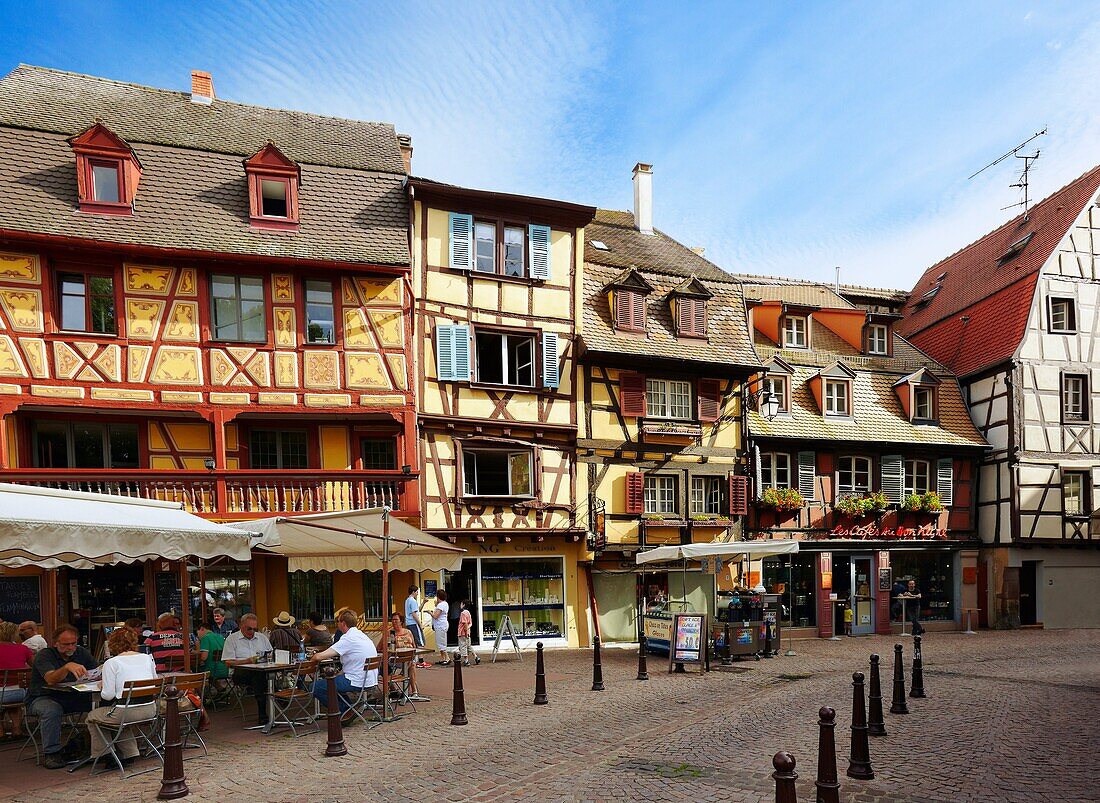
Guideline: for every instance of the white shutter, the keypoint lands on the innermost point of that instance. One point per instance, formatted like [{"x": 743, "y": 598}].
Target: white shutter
[
  {"x": 893, "y": 478},
  {"x": 807, "y": 474},
  {"x": 759, "y": 483},
  {"x": 550, "y": 377},
  {"x": 945, "y": 480},
  {"x": 452, "y": 353},
  {"x": 462, "y": 241},
  {"x": 538, "y": 252}
]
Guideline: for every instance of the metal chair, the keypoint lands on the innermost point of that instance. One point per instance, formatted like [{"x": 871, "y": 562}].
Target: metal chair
[
  {"x": 195, "y": 683},
  {"x": 218, "y": 696},
  {"x": 146, "y": 727},
  {"x": 360, "y": 701},
  {"x": 296, "y": 705},
  {"x": 15, "y": 679},
  {"x": 171, "y": 663},
  {"x": 401, "y": 679}
]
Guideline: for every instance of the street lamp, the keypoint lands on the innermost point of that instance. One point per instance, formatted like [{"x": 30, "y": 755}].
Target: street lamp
[{"x": 769, "y": 405}]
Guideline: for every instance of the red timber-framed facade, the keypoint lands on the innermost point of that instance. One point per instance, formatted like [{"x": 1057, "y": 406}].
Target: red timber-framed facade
[
  {"x": 496, "y": 278},
  {"x": 870, "y": 459},
  {"x": 240, "y": 348}
]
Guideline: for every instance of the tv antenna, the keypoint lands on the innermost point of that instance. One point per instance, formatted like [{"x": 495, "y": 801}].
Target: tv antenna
[{"x": 1022, "y": 183}]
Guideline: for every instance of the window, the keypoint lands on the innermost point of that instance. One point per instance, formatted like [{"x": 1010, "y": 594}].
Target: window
[
  {"x": 74, "y": 444},
  {"x": 794, "y": 332},
  {"x": 660, "y": 493},
  {"x": 775, "y": 470},
  {"x": 691, "y": 318},
  {"x": 107, "y": 171},
  {"x": 924, "y": 404},
  {"x": 935, "y": 578},
  {"x": 273, "y": 197},
  {"x": 497, "y": 472},
  {"x": 1075, "y": 488},
  {"x": 372, "y": 595},
  {"x": 794, "y": 578},
  {"x": 505, "y": 359},
  {"x": 916, "y": 477},
  {"x": 379, "y": 454},
  {"x": 877, "y": 339},
  {"x": 777, "y": 386},
  {"x": 836, "y": 397},
  {"x": 668, "y": 399},
  {"x": 273, "y": 182},
  {"x": 106, "y": 182},
  {"x": 87, "y": 303},
  {"x": 706, "y": 495},
  {"x": 1075, "y": 397},
  {"x": 310, "y": 591},
  {"x": 276, "y": 448},
  {"x": 239, "y": 308},
  {"x": 629, "y": 310},
  {"x": 485, "y": 242},
  {"x": 854, "y": 475},
  {"x": 320, "y": 326},
  {"x": 514, "y": 237},
  {"x": 1063, "y": 315}
]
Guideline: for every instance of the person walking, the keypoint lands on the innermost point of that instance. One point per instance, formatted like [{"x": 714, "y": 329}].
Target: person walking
[
  {"x": 465, "y": 622},
  {"x": 912, "y": 598},
  {"x": 441, "y": 625}
]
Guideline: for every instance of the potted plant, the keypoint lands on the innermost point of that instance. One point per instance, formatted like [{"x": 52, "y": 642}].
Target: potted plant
[
  {"x": 878, "y": 502},
  {"x": 913, "y": 503},
  {"x": 782, "y": 499},
  {"x": 931, "y": 503},
  {"x": 852, "y": 506}
]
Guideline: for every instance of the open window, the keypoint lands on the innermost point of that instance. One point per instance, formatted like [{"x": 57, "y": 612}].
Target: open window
[
  {"x": 107, "y": 172},
  {"x": 497, "y": 472},
  {"x": 1062, "y": 316},
  {"x": 505, "y": 359},
  {"x": 273, "y": 182}
]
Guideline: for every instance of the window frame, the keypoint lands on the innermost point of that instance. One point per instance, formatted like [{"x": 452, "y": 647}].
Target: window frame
[
  {"x": 86, "y": 274},
  {"x": 532, "y": 468},
  {"x": 827, "y": 401},
  {"x": 853, "y": 487},
  {"x": 264, "y": 302},
  {"x": 279, "y": 455},
  {"x": 665, "y": 489},
  {"x": 712, "y": 496},
  {"x": 909, "y": 477},
  {"x": 624, "y": 296},
  {"x": 1084, "y": 415},
  {"x": 532, "y": 335},
  {"x": 363, "y": 441},
  {"x": 885, "y": 330},
  {"x": 274, "y": 179},
  {"x": 92, "y": 162},
  {"x": 786, "y": 332},
  {"x": 1085, "y": 494},
  {"x": 306, "y": 319},
  {"x": 70, "y": 443},
  {"x": 500, "y": 225},
  {"x": 773, "y": 469},
  {"x": 933, "y": 403},
  {"x": 784, "y": 396},
  {"x": 666, "y": 399},
  {"x": 1071, "y": 315}
]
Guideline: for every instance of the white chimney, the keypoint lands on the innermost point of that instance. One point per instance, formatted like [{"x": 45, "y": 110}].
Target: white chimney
[
  {"x": 643, "y": 198},
  {"x": 202, "y": 87}
]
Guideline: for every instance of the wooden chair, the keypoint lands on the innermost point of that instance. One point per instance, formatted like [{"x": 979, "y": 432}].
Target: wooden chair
[
  {"x": 195, "y": 683},
  {"x": 134, "y": 693},
  {"x": 296, "y": 705},
  {"x": 366, "y": 699},
  {"x": 401, "y": 679}
]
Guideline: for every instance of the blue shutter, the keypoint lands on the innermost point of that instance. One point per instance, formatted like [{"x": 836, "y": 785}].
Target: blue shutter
[
  {"x": 945, "y": 480},
  {"x": 462, "y": 241},
  {"x": 538, "y": 252},
  {"x": 893, "y": 478},
  {"x": 550, "y": 375},
  {"x": 452, "y": 353}
]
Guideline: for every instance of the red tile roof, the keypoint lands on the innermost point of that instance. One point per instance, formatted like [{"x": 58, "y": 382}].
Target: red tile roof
[{"x": 995, "y": 296}]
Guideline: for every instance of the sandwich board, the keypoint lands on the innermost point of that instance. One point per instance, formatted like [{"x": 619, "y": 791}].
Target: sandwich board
[{"x": 505, "y": 628}]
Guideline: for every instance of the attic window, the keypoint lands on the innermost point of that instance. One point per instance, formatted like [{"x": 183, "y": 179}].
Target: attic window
[
  {"x": 273, "y": 181},
  {"x": 273, "y": 197},
  {"x": 691, "y": 317},
  {"x": 928, "y": 296},
  {"x": 600, "y": 245},
  {"x": 1016, "y": 248},
  {"x": 107, "y": 172},
  {"x": 629, "y": 310},
  {"x": 924, "y": 403},
  {"x": 106, "y": 180}
]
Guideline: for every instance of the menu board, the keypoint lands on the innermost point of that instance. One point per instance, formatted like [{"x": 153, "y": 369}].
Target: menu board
[
  {"x": 689, "y": 639},
  {"x": 20, "y": 599}
]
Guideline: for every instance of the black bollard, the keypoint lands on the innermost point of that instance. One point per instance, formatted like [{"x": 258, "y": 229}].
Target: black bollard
[
  {"x": 876, "y": 724},
  {"x": 898, "y": 704},
  {"x": 336, "y": 746},
  {"x": 540, "y": 677},
  {"x": 785, "y": 776},
  {"x": 727, "y": 659},
  {"x": 859, "y": 760},
  {"x": 458, "y": 707},
  {"x": 643, "y": 671},
  {"x": 828, "y": 787},
  {"x": 173, "y": 785},
  {"x": 597, "y": 667},
  {"x": 916, "y": 686}
]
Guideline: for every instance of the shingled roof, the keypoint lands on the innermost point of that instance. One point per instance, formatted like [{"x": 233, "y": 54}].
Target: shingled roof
[
  {"x": 629, "y": 248},
  {"x": 193, "y": 193},
  {"x": 970, "y": 310}
]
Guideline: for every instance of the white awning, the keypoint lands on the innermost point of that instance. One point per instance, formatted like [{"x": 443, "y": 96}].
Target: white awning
[
  {"x": 49, "y": 528},
  {"x": 329, "y": 542},
  {"x": 750, "y": 549}
]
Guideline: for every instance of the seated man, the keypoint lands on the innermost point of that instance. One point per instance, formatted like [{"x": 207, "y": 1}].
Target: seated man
[
  {"x": 165, "y": 642},
  {"x": 223, "y": 625},
  {"x": 28, "y": 632},
  {"x": 353, "y": 649},
  {"x": 65, "y": 661},
  {"x": 245, "y": 646}
]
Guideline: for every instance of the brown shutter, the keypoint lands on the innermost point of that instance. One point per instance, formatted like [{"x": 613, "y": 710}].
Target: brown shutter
[
  {"x": 700, "y": 322},
  {"x": 637, "y": 311},
  {"x": 685, "y": 315},
  {"x": 622, "y": 308},
  {"x": 635, "y": 492},
  {"x": 739, "y": 496},
  {"x": 632, "y": 395},
  {"x": 709, "y": 399}
]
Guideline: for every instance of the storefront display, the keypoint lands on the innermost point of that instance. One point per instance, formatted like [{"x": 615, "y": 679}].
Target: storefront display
[
  {"x": 934, "y": 573},
  {"x": 530, "y": 591},
  {"x": 793, "y": 578}
]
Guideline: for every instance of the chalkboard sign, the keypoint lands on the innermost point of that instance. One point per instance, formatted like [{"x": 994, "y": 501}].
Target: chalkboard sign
[
  {"x": 689, "y": 639},
  {"x": 20, "y": 599},
  {"x": 169, "y": 598}
]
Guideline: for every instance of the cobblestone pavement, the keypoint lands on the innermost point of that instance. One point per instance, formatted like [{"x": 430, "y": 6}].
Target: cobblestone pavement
[{"x": 1010, "y": 716}]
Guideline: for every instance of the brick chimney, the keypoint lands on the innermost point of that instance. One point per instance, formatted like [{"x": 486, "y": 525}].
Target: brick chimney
[
  {"x": 202, "y": 87},
  {"x": 405, "y": 143},
  {"x": 643, "y": 198}
]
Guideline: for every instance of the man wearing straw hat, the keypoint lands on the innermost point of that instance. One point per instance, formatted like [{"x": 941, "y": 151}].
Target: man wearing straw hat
[{"x": 286, "y": 636}]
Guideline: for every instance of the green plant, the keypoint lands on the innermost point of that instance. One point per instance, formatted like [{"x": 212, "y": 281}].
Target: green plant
[
  {"x": 855, "y": 506},
  {"x": 878, "y": 501},
  {"x": 913, "y": 503},
  {"x": 931, "y": 503},
  {"x": 708, "y": 517},
  {"x": 784, "y": 499}
]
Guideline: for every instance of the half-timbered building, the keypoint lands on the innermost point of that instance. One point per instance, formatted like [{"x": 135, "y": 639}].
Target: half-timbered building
[
  {"x": 1016, "y": 315},
  {"x": 496, "y": 282},
  {"x": 665, "y": 352},
  {"x": 203, "y": 302},
  {"x": 861, "y": 447}
]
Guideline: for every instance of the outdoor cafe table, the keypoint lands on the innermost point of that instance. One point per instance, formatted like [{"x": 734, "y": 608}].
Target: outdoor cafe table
[{"x": 270, "y": 669}]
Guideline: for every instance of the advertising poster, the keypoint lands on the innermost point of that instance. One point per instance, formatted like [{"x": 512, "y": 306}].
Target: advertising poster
[{"x": 689, "y": 634}]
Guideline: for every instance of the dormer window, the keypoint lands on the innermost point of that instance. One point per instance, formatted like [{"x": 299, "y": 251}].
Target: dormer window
[
  {"x": 107, "y": 172},
  {"x": 776, "y": 386},
  {"x": 794, "y": 332},
  {"x": 924, "y": 404},
  {"x": 273, "y": 181},
  {"x": 838, "y": 397},
  {"x": 919, "y": 396},
  {"x": 878, "y": 335},
  {"x": 629, "y": 310},
  {"x": 689, "y": 307}
]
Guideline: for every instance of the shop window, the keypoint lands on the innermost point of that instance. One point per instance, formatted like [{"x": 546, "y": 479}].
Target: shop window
[
  {"x": 660, "y": 494},
  {"x": 916, "y": 477},
  {"x": 1062, "y": 316},
  {"x": 320, "y": 316},
  {"x": 837, "y": 397},
  {"x": 794, "y": 332},
  {"x": 794, "y": 579},
  {"x": 276, "y": 448},
  {"x": 666, "y": 398},
  {"x": 310, "y": 591},
  {"x": 935, "y": 578},
  {"x": 878, "y": 338},
  {"x": 854, "y": 475},
  {"x": 706, "y": 496},
  {"x": 497, "y": 472},
  {"x": 531, "y": 592},
  {"x": 87, "y": 303},
  {"x": 1075, "y": 493},
  {"x": 75, "y": 444},
  {"x": 379, "y": 454},
  {"x": 372, "y": 596},
  {"x": 504, "y": 359},
  {"x": 775, "y": 470},
  {"x": 109, "y": 593},
  {"x": 238, "y": 308},
  {"x": 1075, "y": 398}
]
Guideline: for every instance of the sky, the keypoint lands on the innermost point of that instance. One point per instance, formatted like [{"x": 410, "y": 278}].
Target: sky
[{"x": 787, "y": 138}]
